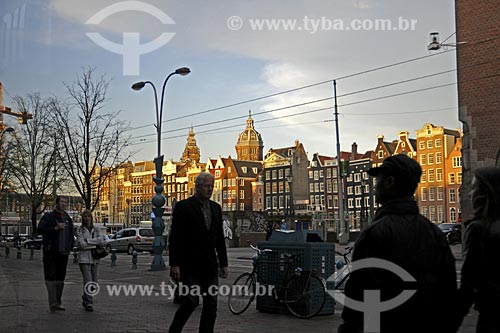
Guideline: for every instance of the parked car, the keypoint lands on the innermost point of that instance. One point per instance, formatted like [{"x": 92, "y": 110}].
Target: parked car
[
  {"x": 452, "y": 231},
  {"x": 130, "y": 239},
  {"x": 36, "y": 242}
]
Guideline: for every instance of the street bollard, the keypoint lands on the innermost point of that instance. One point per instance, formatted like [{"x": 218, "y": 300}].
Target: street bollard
[
  {"x": 32, "y": 252},
  {"x": 134, "y": 259},
  {"x": 7, "y": 251},
  {"x": 75, "y": 257},
  {"x": 113, "y": 257},
  {"x": 18, "y": 252}
]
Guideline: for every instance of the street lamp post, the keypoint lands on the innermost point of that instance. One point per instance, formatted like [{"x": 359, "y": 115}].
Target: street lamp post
[{"x": 158, "y": 199}]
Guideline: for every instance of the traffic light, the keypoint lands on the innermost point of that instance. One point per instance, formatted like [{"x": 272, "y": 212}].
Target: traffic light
[{"x": 24, "y": 116}]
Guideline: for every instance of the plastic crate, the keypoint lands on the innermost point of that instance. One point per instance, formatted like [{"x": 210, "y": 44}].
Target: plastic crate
[{"x": 272, "y": 269}]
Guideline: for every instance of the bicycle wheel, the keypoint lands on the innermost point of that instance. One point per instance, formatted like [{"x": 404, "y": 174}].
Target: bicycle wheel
[
  {"x": 305, "y": 295},
  {"x": 242, "y": 293}
]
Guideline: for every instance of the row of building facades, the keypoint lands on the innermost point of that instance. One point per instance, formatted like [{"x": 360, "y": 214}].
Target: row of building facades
[{"x": 285, "y": 182}]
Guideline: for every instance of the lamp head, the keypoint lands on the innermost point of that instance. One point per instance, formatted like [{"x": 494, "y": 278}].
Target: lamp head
[
  {"x": 183, "y": 71},
  {"x": 138, "y": 85}
]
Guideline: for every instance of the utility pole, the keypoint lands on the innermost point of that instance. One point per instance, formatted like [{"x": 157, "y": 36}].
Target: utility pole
[{"x": 343, "y": 235}]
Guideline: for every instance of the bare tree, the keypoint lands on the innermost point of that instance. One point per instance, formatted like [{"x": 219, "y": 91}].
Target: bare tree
[
  {"x": 33, "y": 154},
  {"x": 91, "y": 141}
]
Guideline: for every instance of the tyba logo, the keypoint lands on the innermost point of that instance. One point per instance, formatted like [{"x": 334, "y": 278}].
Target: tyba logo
[
  {"x": 131, "y": 49},
  {"x": 372, "y": 305}
]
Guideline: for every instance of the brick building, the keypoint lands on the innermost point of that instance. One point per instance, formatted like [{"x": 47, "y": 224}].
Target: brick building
[
  {"x": 478, "y": 71},
  {"x": 438, "y": 152}
]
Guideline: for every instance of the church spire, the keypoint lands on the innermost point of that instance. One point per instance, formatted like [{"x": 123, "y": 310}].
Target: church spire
[
  {"x": 250, "y": 145},
  {"x": 191, "y": 151}
]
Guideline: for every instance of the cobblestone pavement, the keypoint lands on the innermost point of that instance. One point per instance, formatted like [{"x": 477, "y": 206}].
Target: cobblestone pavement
[{"x": 23, "y": 301}]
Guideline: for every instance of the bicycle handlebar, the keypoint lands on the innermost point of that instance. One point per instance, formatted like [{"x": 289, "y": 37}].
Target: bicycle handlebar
[
  {"x": 348, "y": 250},
  {"x": 256, "y": 249}
]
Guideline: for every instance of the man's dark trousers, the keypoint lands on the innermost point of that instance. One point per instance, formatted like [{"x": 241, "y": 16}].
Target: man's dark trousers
[
  {"x": 190, "y": 302},
  {"x": 54, "y": 270}
]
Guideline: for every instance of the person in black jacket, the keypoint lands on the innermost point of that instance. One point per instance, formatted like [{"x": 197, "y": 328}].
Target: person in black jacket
[
  {"x": 58, "y": 238},
  {"x": 196, "y": 251},
  {"x": 401, "y": 236},
  {"x": 480, "y": 279}
]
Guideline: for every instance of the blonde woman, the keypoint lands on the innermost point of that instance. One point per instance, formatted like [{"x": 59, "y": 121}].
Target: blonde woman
[{"x": 88, "y": 237}]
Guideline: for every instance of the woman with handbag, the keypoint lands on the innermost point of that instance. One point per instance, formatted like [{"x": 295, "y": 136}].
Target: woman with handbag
[{"x": 90, "y": 241}]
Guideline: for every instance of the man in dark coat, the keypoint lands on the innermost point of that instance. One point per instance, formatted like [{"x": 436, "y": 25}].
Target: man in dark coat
[
  {"x": 58, "y": 238},
  {"x": 480, "y": 278},
  {"x": 197, "y": 250},
  {"x": 401, "y": 236}
]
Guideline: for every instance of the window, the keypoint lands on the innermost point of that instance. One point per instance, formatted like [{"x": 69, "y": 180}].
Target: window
[
  {"x": 432, "y": 213},
  {"x": 244, "y": 169},
  {"x": 421, "y": 145},
  {"x": 281, "y": 202},
  {"x": 440, "y": 193},
  {"x": 242, "y": 194},
  {"x": 280, "y": 173},
  {"x": 328, "y": 173},
  {"x": 224, "y": 194},
  {"x": 274, "y": 174},
  {"x": 322, "y": 187},
  {"x": 357, "y": 189},
  {"x": 429, "y": 144},
  {"x": 275, "y": 187},
  {"x": 451, "y": 178},
  {"x": 430, "y": 158},
  {"x": 440, "y": 216},
  {"x": 316, "y": 175},
  {"x": 423, "y": 159},
  {"x": 350, "y": 203},
  {"x": 459, "y": 178},
  {"x": 281, "y": 186},
  {"x": 453, "y": 195},
  {"x": 311, "y": 199},
  {"x": 329, "y": 186},
  {"x": 228, "y": 169},
  {"x": 432, "y": 193},
  {"x": 316, "y": 187},
  {"x": 423, "y": 177},
  {"x": 334, "y": 173},
  {"x": 453, "y": 215},
  {"x": 314, "y": 164},
  {"x": 268, "y": 203},
  {"x": 217, "y": 173},
  {"x": 380, "y": 154},
  {"x": 457, "y": 162},
  {"x": 311, "y": 174},
  {"x": 424, "y": 194},
  {"x": 311, "y": 187},
  {"x": 233, "y": 194},
  {"x": 349, "y": 190},
  {"x": 437, "y": 143},
  {"x": 268, "y": 188},
  {"x": 430, "y": 175},
  {"x": 242, "y": 206},
  {"x": 321, "y": 174},
  {"x": 439, "y": 158},
  {"x": 242, "y": 182},
  {"x": 425, "y": 212},
  {"x": 439, "y": 175},
  {"x": 357, "y": 177},
  {"x": 358, "y": 202},
  {"x": 268, "y": 175}
]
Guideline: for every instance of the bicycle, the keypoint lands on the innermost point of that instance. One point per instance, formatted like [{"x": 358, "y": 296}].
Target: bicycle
[
  {"x": 303, "y": 292},
  {"x": 343, "y": 268}
]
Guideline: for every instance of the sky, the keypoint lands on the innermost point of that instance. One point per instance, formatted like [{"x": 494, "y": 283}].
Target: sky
[{"x": 275, "y": 58}]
